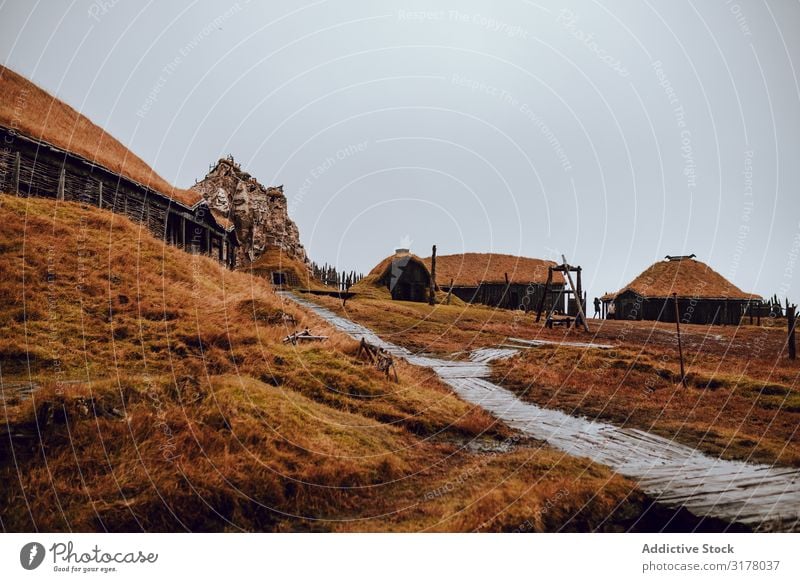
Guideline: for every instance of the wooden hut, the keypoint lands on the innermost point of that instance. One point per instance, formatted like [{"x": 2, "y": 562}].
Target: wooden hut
[
  {"x": 404, "y": 275},
  {"x": 281, "y": 270},
  {"x": 497, "y": 280},
  {"x": 704, "y": 296},
  {"x": 51, "y": 150}
]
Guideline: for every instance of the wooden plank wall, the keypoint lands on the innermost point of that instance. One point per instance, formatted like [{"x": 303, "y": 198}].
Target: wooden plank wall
[
  {"x": 496, "y": 295},
  {"x": 31, "y": 169}
]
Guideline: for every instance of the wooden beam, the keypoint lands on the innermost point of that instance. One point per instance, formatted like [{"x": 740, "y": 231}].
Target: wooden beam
[
  {"x": 678, "y": 328},
  {"x": 432, "y": 293},
  {"x": 61, "y": 183},
  {"x": 578, "y": 298},
  {"x": 544, "y": 294},
  {"x": 15, "y": 178},
  {"x": 449, "y": 291},
  {"x": 166, "y": 226}
]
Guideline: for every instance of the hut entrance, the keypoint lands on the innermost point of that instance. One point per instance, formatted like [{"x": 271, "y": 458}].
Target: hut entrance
[
  {"x": 408, "y": 278},
  {"x": 410, "y": 291},
  {"x": 278, "y": 278}
]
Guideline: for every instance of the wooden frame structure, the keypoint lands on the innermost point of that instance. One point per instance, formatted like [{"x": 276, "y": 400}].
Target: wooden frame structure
[{"x": 575, "y": 290}]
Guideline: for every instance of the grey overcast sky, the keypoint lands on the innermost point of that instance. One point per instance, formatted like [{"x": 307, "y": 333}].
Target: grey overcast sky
[{"x": 614, "y": 132}]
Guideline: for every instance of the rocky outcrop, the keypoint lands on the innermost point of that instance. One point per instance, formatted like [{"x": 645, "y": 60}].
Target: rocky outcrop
[{"x": 259, "y": 213}]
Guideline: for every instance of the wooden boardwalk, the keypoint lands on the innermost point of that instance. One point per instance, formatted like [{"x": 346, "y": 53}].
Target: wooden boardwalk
[{"x": 763, "y": 497}]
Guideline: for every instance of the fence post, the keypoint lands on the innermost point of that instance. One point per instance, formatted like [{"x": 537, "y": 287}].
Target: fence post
[
  {"x": 790, "y": 323},
  {"x": 680, "y": 347},
  {"x": 432, "y": 292}
]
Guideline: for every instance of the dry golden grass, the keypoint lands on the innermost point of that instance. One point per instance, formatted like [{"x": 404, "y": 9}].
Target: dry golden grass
[
  {"x": 28, "y": 109},
  {"x": 686, "y": 278},
  {"x": 380, "y": 270},
  {"x": 274, "y": 259},
  {"x": 727, "y": 414},
  {"x": 470, "y": 269},
  {"x": 743, "y": 400},
  {"x": 166, "y": 401}
]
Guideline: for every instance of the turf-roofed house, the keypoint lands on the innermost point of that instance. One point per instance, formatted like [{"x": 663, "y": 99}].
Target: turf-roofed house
[
  {"x": 51, "y": 150},
  {"x": 498, "y": 280},
  {"x": 403, "y": 276},
  {"x": 703, "y": 295}
]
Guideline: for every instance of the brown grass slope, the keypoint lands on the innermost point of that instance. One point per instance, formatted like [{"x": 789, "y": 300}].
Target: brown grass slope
[
  {"x": 164, "y": 400},
  {"x": 28, "y": 109},
  {"x": 274, "y": 259}
]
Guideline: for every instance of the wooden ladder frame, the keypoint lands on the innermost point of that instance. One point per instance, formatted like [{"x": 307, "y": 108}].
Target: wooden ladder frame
[{"x": 574, "y": 290}]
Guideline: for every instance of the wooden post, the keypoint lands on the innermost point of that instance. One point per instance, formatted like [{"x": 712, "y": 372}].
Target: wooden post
[
  {"x": 432, "y": 292},
  {"x": 505, "y": 291},
  {"x": 15, "y": 179},
  {"x": 167, "y": 238},
  {"x": 790, "y": 323},
  {"x": 61, "y": 181},
  {"x": 544, "y": 294},
  {"x": 578, "y": 298},
  {"x": 100, "y": 195},
  {"x": 680, "y": 347},
  {"x": 449, "y": 291}
]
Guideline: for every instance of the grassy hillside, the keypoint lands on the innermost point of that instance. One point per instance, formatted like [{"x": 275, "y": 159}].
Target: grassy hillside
[{"x": 163, "y": 399}]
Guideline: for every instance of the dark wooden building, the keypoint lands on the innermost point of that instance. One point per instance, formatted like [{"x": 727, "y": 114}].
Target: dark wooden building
[
  {"x": 31, "y": 167},
  {"x": 703, "y": 295},
  {"x": 498, "y": 280},
  {"x": 404, "y": 275}
]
